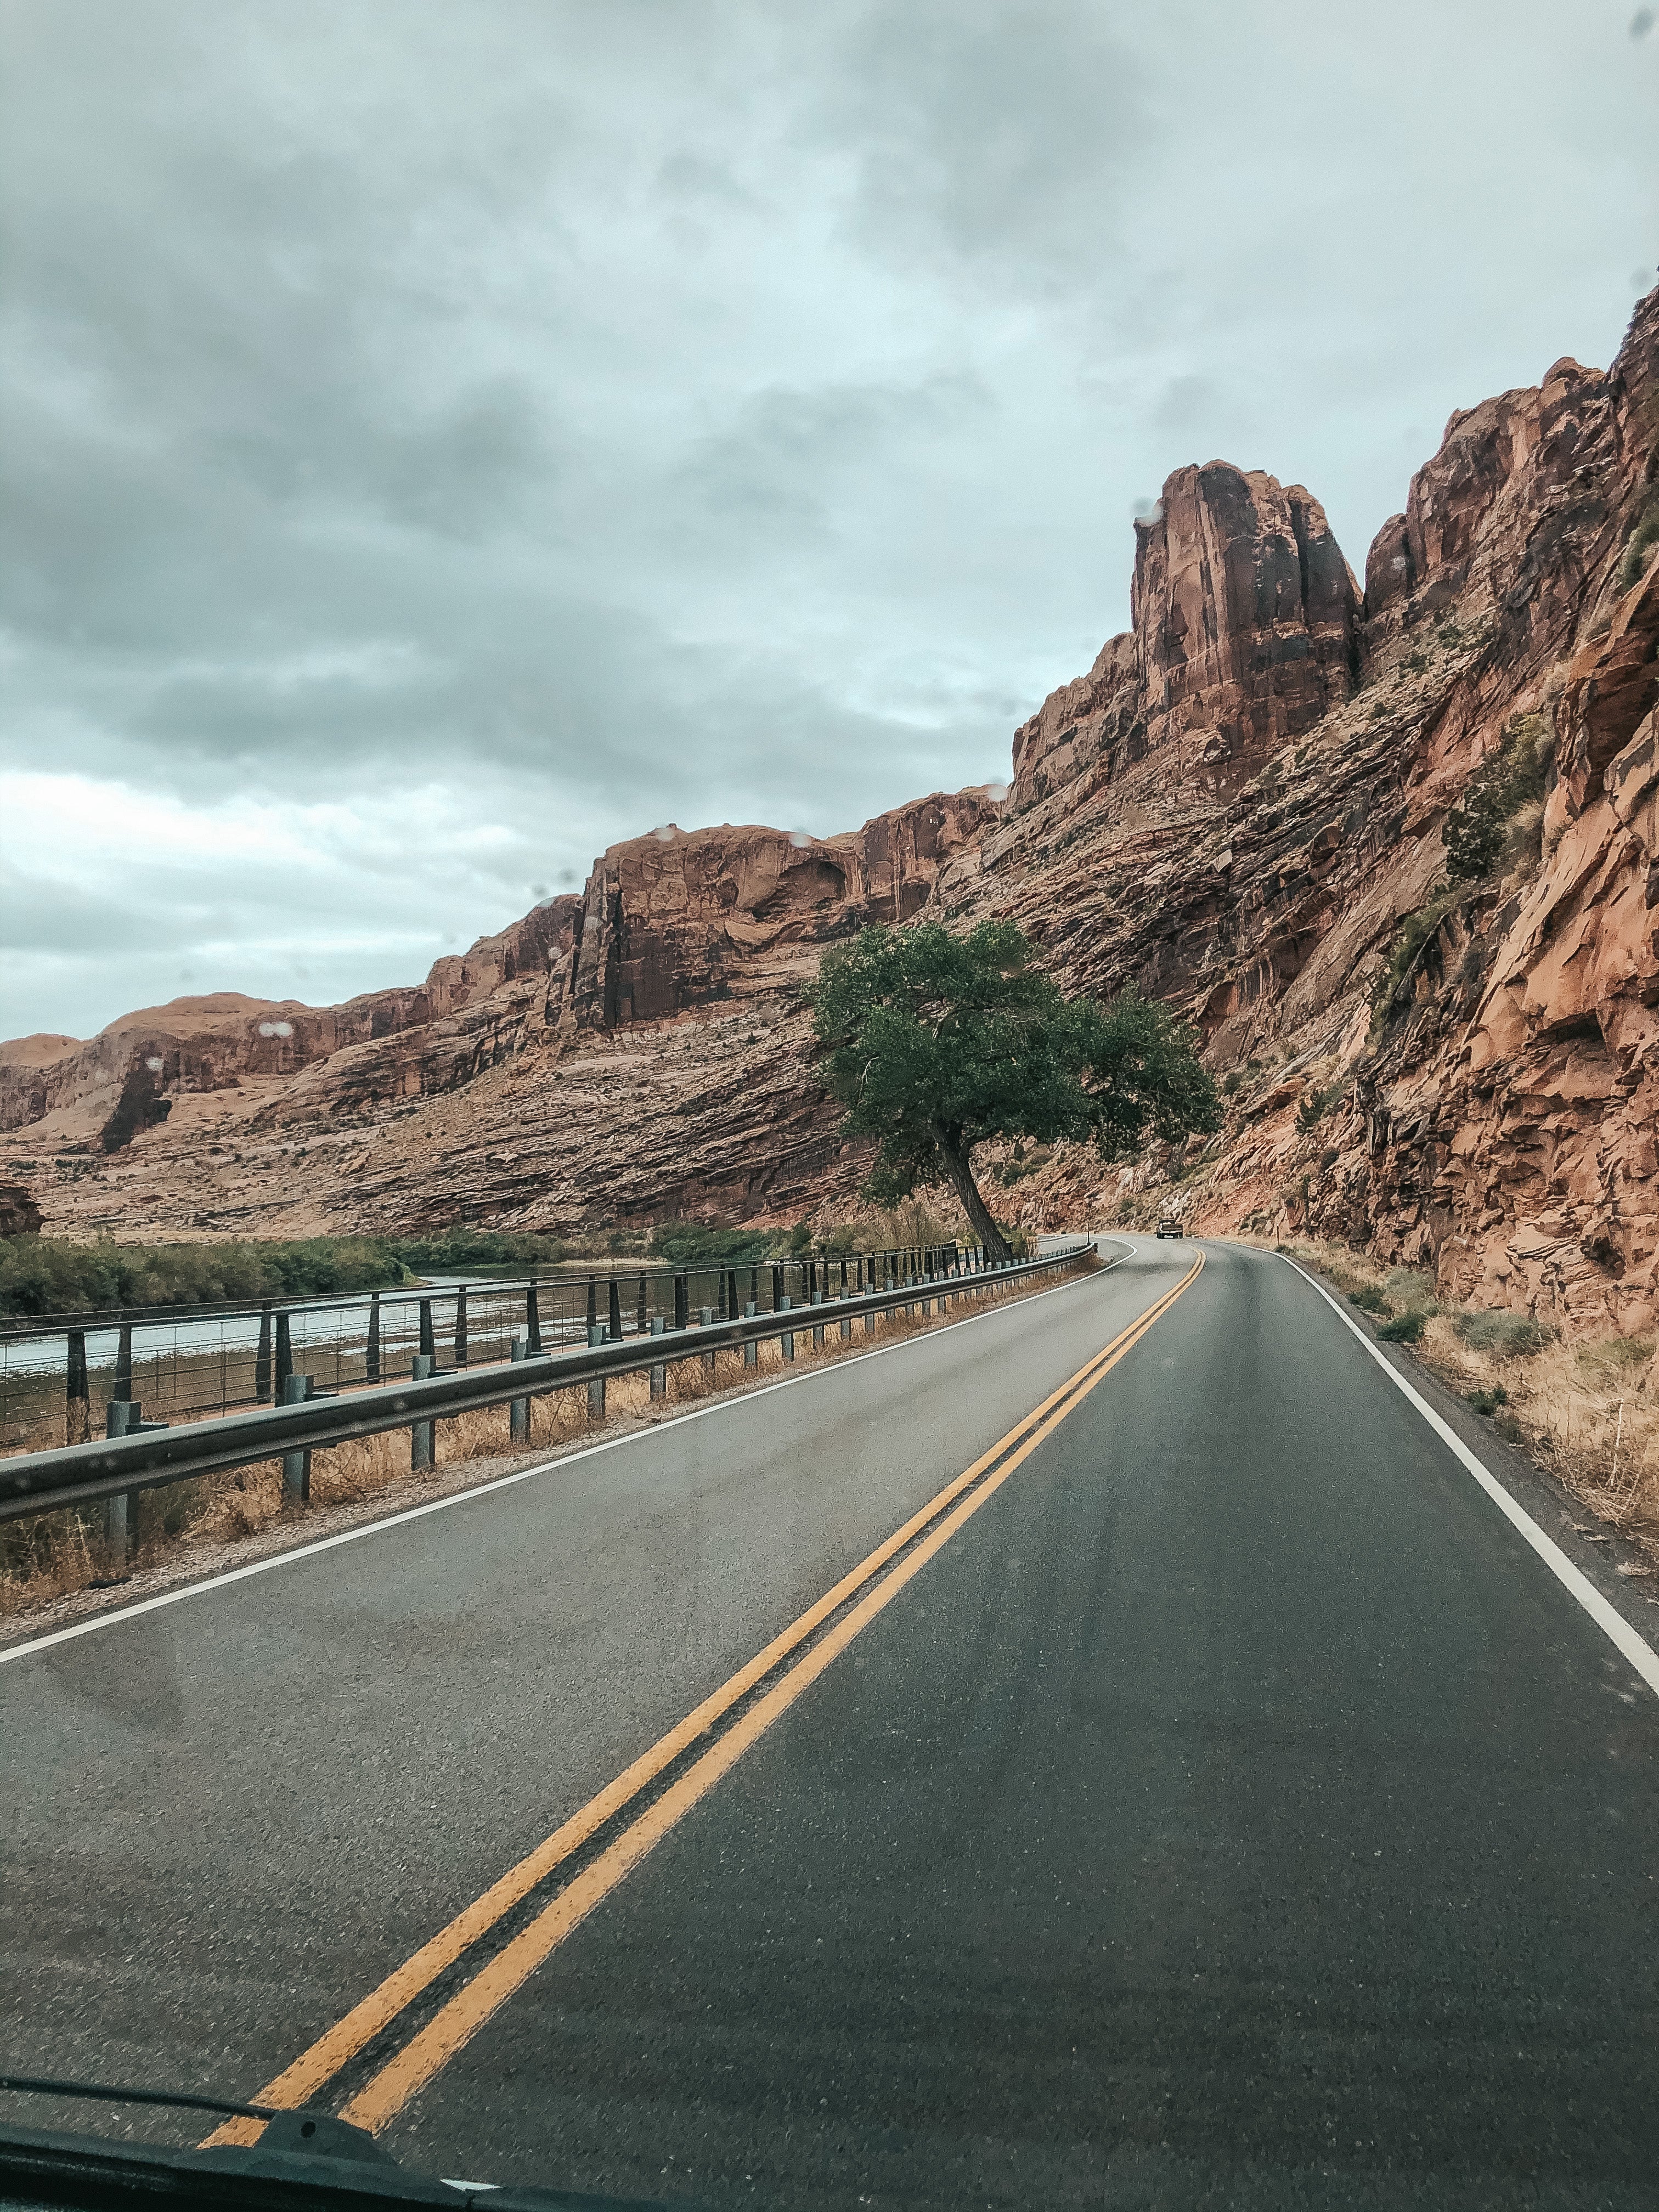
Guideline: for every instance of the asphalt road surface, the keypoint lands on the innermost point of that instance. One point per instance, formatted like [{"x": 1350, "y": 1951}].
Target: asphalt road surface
[{"x": 1214, "y": 1801}]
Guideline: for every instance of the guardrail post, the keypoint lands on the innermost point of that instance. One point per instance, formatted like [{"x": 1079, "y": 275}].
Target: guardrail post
[
  {"x": 262, "y": 1357},
  {"x": 658, "y": 1368},
  {"x": 787, "y": 1341},
  {"x": 533, "y": 1319},
  {"x": 284, "y": 1360},
  {"x": 751, "y": 1350},
  {"x": 705, "y": 1320},
  {"x": 77, "y": 1391},
  {"x": 816, "y": 1299},
  {"x": 616, "y": 1309},
  {"x": 519, "y": 1408},
  {"x": 421, "y": 1435},
  {"x": 297, "y": 1465},
  {"x": 372, "y": 1356},
  {"x": 460, "y": 1326},
  {"x": 121, "y": 1417},
  {"x": 596, "y": 1388}
]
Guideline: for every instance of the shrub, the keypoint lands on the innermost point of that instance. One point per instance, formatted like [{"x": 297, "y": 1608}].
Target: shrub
[
  {"x": 1487, "y": 1402},
  {"x": 1507, "y": 780},
  {"x": 1506, "y": 1336},
  {"x": 1314, "y": 1105},
  {"x": 1414, "y": 933},
  {"x": 1616, "y": 1357},
  {"x": 1404, "y": 1329},
  {"x": 1639, "y": 551},
  {"x": 1369, "y": 1299},
  {"x": 44, "y": 1274},
  {"x": 1409, "y": 1286}
]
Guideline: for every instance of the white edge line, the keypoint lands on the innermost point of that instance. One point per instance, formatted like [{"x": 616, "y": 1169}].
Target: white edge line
[
  {"x": 119, "y": 1614},
  {"x": 1612, "y": 1623}
]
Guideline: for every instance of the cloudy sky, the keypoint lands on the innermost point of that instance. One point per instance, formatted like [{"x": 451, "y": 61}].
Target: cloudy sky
[{"x": 439, "y": 438}]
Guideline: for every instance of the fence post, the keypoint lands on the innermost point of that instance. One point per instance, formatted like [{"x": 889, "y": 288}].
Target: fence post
[
  {"x": 596, "y": 1388},
  {"x": 658, "y": 1368},
  {"x": 297, "y": 1465},
  {"x": 682, "y": 1302},
  {"x": 616, "y": 1309},
  {"x": 642, "y": 1318},
  {"x": 751, "y": 1350},
  {"x": 123, "y": 1361},
  {"x": 593, "y": 1306},
  {"x": 77, "y": 1391},
  {"x": 372, "y": 1356},
  {"x": 421, "y": 1436},
  {"x": 519, "y": 1408},
  {"x": 777, "y": 1289},
  {"x": 284, "y": 1360},
  {"x": 262, "y": 1357},
  {"x": 533, "y": 1319},
  {"x": 787, "y": 1341},
  {"x": 460, "y": 1326}
]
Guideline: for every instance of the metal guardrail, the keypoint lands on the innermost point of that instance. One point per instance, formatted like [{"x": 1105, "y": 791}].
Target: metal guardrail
[
  {"x": 118, "y": 1466},
  {"x": 60, "y": 1373}
]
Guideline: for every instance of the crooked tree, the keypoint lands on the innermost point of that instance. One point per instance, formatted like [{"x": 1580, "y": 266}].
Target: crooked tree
[{"x": 934, "y": 1043}]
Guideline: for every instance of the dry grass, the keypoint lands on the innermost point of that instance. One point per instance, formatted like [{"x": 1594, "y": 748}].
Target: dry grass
[
  {"x": 1584, "y": 1412},
  {"x": 58, "y": 1554}
]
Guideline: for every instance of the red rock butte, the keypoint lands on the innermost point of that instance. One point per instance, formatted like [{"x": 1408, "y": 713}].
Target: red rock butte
[{"x": 1238, "y": 809}]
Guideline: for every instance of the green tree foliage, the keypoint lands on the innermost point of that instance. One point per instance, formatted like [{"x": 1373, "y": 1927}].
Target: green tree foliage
[
  {"x": 1505, "y": 781},
  {"x": 934, "y": 1043},
  {"x": 694, "y": 1244}
]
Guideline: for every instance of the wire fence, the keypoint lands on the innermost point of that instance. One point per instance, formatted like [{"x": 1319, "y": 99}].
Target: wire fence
[{"x": 60, "y": 1374}]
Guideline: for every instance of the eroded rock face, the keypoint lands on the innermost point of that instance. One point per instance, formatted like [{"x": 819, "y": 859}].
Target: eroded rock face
[
  {"x": 1238, "y": 809},
  {"x": 1245, "y": 633},
  {"x": 483, "y": 1094}
]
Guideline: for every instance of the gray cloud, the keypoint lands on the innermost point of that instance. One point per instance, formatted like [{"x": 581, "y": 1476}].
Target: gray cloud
[{"x": 513, "y": 425}]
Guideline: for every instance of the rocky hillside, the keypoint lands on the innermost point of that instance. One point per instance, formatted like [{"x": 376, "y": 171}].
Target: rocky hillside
[{"x": 1394, "y": 850}]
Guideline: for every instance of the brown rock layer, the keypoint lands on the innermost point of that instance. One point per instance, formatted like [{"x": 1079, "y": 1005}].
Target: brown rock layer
[{"x": 1238, "y": 809}]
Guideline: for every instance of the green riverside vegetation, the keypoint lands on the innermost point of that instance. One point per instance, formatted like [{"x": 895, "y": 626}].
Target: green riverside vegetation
[{"x": 45, "y": 1274}]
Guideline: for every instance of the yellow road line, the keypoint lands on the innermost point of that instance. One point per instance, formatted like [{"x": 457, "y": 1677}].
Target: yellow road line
[{"x": 458, "y": 2021}]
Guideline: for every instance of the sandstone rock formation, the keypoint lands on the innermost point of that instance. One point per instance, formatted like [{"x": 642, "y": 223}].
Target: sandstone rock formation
[
  {"x": 636, "y": 1052},
  {"x": 1239, "y": 809}
]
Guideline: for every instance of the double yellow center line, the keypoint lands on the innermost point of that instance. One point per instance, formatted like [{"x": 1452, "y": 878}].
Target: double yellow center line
[{"x": 459, "y": 2019}]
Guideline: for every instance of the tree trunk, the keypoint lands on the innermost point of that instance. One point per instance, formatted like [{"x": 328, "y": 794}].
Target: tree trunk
[{"x": 954, "y": 1154}]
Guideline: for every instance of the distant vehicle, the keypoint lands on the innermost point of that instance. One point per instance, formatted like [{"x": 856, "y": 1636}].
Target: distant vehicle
[{"x": 1170, "y": 1225}]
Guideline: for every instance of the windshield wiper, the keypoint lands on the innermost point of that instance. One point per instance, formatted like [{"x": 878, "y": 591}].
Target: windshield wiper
[{"x": 306, "y": 2160}]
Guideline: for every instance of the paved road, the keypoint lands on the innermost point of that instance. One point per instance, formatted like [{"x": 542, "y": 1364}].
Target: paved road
[{"x": 1232, "y": 1810}]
